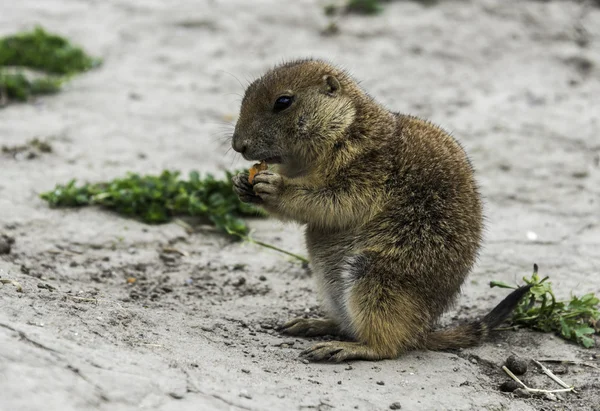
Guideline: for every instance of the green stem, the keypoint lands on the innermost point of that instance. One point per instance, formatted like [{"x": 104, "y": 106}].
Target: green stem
[
  {"x": 272, "y": 247},
  {"x": 269, "y": 246},
  {"x": 575, "y": 314}
]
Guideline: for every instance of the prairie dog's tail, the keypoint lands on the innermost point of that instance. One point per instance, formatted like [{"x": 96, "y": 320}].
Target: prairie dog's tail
[{"x": 472, "y": 334}]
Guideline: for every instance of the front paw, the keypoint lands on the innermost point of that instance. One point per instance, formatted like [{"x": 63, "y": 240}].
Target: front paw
[
  {"x": 244, "y": 190},
  {"x": 268, "y": 186}
]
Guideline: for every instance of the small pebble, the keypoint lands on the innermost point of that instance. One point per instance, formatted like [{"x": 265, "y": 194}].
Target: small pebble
[
  {"x": 244, "y": 370},
  {"x": 339, "y": 383},
  {"x": 168, "y": 258},
  {"x": 560, "y": 369},
  {"x": 509, "y": 386},
  {"x": 380, "y": 383},
  {"x": 239, "y": 282},
  {"x": 262, "y": 278},
  {"x": 580, "y": 174},
  {"x": 176, "y": 395},
  {"x": 517, "y": 365},
  {"x": 473, "y": 360},
  {"x": 396, "y": 406},
  {"x": 305, "y": 361}
]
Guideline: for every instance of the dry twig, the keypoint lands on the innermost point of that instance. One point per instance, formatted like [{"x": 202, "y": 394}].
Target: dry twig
[
  {"x": 557, "y": 361},
  {"x": 553, "y": 376},
  {"x": 532, "y": 390}
]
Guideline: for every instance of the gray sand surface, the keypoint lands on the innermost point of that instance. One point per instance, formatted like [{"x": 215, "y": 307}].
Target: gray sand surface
[{"x": 517, "y": 82}]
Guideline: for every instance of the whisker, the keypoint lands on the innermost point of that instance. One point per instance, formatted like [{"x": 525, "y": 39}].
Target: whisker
[
  {"x": 237, "y": 79},
  {"x": 248, "y": 82},
  {"x": 221, "y": 136},
  {"x": 235, "y": 158},
  {"x": 221, "y": 122}
]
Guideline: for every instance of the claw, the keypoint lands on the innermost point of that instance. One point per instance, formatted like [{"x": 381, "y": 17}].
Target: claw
[
  {"x": 320, "y": 352},
  {"x": 289, "y": 324},
  {"x": 244, "y": 189}
]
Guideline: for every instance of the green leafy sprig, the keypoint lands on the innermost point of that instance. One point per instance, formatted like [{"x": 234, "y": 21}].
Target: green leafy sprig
[
  {"x": 38, "y": 50},
  {"x": 156, "y": 199},
  {"x": 576, "y": 319}
]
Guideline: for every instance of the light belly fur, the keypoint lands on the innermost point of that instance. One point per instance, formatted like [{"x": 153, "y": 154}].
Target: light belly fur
[{"x": 332, "y": 270}]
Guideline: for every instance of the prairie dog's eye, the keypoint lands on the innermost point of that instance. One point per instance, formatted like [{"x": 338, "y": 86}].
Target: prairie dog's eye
[{"x": 282, "y": 103}]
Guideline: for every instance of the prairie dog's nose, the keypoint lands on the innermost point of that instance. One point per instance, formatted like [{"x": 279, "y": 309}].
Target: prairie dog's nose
[{"x": 239, "y": 144}]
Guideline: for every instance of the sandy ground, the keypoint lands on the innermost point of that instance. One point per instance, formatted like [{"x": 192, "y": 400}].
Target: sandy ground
[{"x": 518, "y": 82}]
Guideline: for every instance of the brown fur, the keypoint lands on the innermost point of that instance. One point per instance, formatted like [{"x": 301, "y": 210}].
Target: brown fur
[{"x": 392, "y": 212}]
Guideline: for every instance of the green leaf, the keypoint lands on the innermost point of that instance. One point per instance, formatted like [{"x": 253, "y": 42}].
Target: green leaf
[
  {"x": 500, "y": 284},
  {"x": 584, "y": 330},
  {"x": 565, "y": 330},
  {"x": 587, "y": 342}
]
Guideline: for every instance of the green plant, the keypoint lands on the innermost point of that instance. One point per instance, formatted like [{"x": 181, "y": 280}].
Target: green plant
[
  {"x": 369, "y": 7},
  {"x": 38, "y": 50},
  {"x": 576, "y": 319},
  {"x": 364, "y": 6},
  {"x": 157, "y": 199}
]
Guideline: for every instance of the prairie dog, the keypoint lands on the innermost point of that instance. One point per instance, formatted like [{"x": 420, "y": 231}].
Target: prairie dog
[{"x": 391, "y": 207}]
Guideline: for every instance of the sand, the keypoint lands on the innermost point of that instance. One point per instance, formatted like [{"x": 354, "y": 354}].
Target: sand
[{"x": 517, "y": 82}]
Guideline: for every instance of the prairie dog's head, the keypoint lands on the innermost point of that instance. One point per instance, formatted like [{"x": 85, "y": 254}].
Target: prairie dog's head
[{"x": 294, "y": 114}]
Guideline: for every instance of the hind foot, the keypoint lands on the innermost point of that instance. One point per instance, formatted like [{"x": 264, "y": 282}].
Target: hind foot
[{"x": 337, "y": 351}]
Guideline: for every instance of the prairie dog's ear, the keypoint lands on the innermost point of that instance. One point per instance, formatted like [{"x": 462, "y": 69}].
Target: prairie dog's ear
[{"x": 331, "y": 85}]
